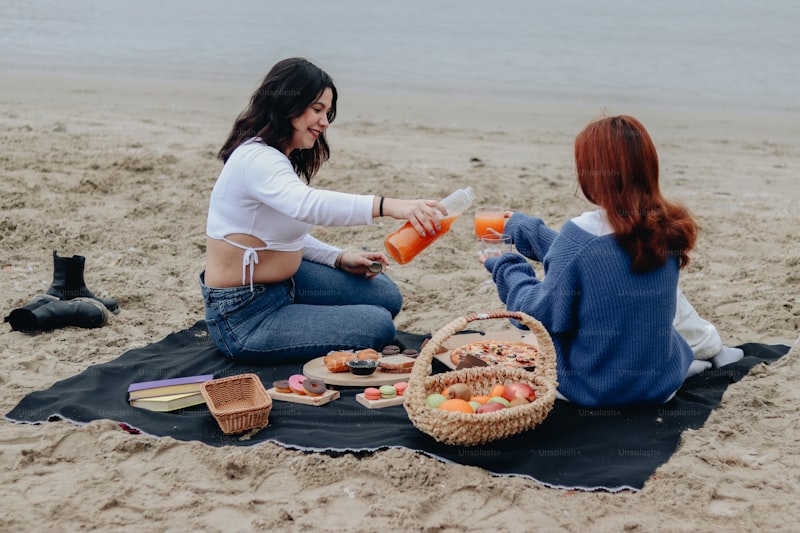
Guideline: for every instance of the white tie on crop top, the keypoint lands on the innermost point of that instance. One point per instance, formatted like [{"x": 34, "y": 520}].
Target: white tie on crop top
[{"x": 249, "y": 258}]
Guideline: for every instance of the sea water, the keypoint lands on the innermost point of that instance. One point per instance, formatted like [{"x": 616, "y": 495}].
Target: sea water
[{"x": 716, "y": 53}]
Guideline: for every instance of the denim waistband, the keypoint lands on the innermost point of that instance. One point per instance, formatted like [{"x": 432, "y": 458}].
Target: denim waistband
[{"x": 211, "y": 294}]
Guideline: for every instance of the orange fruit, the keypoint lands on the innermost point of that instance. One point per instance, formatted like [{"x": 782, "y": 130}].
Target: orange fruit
[
  {"x": 480, "y": 399},
  {"x": 497, "y": 390},
  {"x": 456, "y": 404}
]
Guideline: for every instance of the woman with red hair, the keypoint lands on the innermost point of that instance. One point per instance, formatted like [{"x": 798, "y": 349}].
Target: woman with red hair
[{"x": 610, "y": 297}]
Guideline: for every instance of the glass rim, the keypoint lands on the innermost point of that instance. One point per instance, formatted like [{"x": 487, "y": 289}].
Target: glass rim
[{"x": 489, "y": 237}]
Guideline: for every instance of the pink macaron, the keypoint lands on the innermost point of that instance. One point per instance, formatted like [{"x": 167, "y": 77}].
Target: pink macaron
[{"x": 372, "y": 393}]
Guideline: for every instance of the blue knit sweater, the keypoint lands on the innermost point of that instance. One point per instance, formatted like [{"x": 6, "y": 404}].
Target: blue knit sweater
[{"x": 612, "y": 329}]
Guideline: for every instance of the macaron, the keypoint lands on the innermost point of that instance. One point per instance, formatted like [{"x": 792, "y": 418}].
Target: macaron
[
  {"x": 400, "y": 387},
  {"x": 372, "y": 393},
  {"x": 296, "y": 383},
  {"x": 391, "y": 349},
  {"x": 387, "y": 391}
]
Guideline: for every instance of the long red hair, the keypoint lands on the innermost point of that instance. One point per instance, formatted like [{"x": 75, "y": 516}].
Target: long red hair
[{"x": 617, "y": 169}]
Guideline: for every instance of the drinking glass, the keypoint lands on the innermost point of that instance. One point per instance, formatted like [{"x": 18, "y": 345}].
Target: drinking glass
[
  {"x": 488, "y": 218},
  {"x": 494, "y": 245}
]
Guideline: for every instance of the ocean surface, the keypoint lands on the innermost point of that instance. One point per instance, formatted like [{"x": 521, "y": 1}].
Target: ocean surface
[{"x": 715, "y": 53}]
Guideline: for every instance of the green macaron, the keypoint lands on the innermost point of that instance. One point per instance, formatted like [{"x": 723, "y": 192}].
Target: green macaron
[{"x": 388, "y": 391}]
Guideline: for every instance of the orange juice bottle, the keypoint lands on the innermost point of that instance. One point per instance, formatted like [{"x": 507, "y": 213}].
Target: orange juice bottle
[{"x": 405, "y": 243}]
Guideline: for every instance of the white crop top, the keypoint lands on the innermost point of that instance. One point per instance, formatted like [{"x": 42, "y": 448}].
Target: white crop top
[{"x": 258, "y": 193}]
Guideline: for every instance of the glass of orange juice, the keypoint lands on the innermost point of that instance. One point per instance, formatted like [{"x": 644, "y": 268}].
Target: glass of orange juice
[{"x": 489, "y": 218}]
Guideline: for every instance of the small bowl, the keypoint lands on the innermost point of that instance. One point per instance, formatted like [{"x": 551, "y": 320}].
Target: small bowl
[{"x": 362, "y": 368}]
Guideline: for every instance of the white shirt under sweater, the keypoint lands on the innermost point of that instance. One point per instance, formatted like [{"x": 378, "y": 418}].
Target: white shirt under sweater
[{"x": 258, "y": 193}]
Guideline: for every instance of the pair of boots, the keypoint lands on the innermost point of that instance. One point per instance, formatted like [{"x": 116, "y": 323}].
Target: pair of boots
[{"x": 68, "y": 302}]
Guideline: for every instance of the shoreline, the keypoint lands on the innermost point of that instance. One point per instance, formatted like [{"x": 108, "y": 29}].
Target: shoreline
[{"x": 517, "y": 110}]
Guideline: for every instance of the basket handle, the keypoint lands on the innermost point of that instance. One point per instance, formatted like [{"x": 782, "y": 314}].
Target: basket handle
[{"x": 545, "y": 362}]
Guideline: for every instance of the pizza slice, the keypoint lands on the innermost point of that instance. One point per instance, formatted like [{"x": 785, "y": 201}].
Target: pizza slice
[{"x": 514, "y": 354}]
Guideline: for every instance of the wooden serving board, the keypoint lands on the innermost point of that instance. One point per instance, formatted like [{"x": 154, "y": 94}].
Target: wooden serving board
[
  {"x": 316, "y": 369},
  {"x": 326, "y": 397},
  {"x": 515, "y": 335},
  {"x": 379, "y": 404}
]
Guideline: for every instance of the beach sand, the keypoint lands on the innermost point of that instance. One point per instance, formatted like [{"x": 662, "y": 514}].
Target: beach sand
[{"x": 120, "y": 171}]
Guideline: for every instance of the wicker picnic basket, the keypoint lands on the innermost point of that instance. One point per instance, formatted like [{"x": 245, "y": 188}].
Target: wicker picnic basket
[
  {"x": 239, "y": 403},
  {"x": 472, "y": 429}
]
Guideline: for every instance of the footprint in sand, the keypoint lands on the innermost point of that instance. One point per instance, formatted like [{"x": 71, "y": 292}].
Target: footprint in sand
[{"x": 726, "y": 501}]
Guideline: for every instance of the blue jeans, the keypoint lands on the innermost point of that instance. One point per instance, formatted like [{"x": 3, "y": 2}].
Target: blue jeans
[{"x": 320, "y": 309}]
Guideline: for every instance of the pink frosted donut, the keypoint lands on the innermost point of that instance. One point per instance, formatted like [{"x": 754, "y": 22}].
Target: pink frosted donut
[{"x": 296, "y": 383}]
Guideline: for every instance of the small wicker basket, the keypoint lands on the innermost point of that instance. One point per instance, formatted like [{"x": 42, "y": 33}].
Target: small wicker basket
[
  {"x": 238, "y": 403},
  {"x": 472, "y": 429}
]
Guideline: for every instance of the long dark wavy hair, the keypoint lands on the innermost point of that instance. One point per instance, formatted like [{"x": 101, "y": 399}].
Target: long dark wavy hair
[
  {"x": 288, "y": 89},
  {"x": 617, "y": 168}
]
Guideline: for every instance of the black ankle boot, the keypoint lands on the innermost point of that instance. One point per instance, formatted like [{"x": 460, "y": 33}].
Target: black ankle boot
[
  {"x": 46, "y": 313},
  {"x": 68, "y": 281},
  {"x": 22, "y": 318}
]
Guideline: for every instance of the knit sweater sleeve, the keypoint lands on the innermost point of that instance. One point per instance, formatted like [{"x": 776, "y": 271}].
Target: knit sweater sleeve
[
  {"x": 551, "y": 300},
  {"x": 530, "y": 235}
]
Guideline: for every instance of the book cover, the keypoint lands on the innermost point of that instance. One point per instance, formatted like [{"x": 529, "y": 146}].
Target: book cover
[
  {"x": 170, "y": 402},
  {"x": 163, "y": 387}
]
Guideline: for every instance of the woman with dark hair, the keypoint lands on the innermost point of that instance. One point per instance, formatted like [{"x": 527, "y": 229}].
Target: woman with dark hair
[
  {"x": 273, "y": 292},
  {"x": 610, "y": 292}
]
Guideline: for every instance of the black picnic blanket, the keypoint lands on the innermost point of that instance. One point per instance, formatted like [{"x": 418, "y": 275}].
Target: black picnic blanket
[{"x": 574, "y": 448}]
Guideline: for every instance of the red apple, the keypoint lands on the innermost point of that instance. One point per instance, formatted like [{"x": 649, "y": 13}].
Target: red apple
[
  {"x": 518, "y": 401},
  {"x": 489, "y": 407},
  {"x": 519, "y": 390}
]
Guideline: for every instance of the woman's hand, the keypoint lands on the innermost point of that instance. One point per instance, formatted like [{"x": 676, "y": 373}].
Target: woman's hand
[
  {"x": 424, "y": 215},
  {"x": 359, "y": 263}
]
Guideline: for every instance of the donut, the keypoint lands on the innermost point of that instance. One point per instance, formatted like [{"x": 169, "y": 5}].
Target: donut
[
  {"x": 391, "y": 349},
  {"x": 296, "y": 383},
  {"x": 314, "y": 387},
  {"x": 282, "y": 385},
  {"x": 367, "y": 353}
]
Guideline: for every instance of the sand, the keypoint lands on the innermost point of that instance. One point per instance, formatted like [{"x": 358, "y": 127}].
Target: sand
[{"x": 120, "y": 171}]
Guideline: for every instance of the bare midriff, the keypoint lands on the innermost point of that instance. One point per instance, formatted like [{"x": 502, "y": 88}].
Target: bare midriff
[{"x": 224, "y": 262}]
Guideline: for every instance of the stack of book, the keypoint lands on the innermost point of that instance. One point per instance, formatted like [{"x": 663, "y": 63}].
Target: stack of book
[{"x": 168, "y": 394}]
